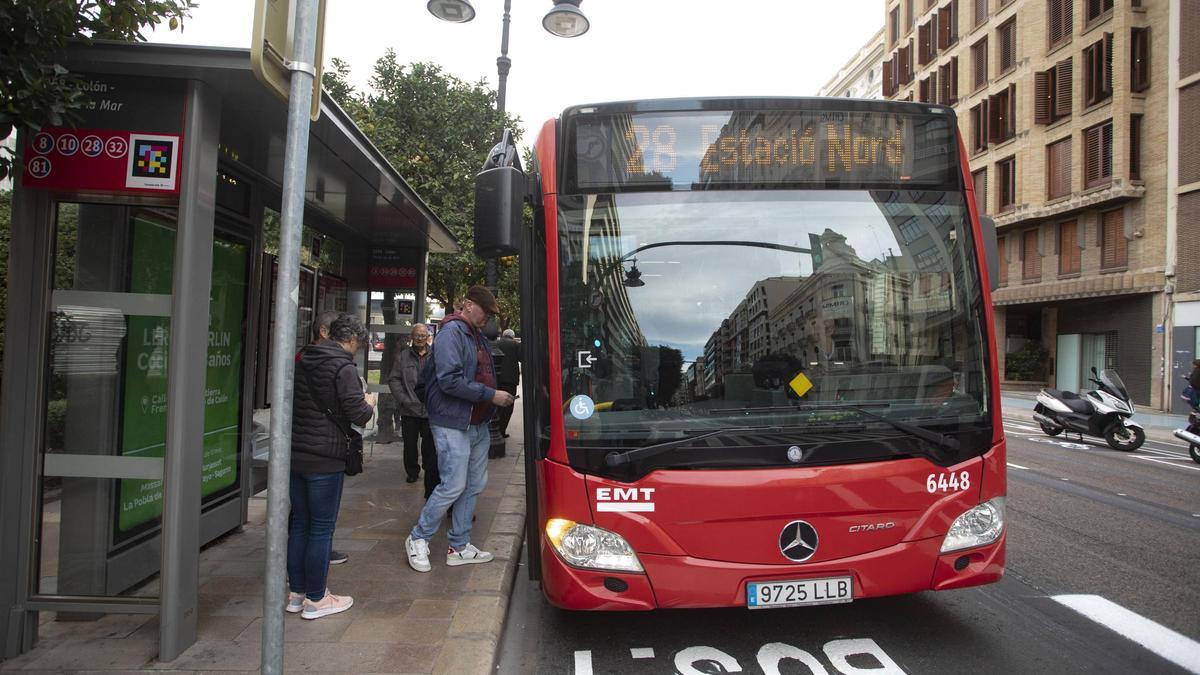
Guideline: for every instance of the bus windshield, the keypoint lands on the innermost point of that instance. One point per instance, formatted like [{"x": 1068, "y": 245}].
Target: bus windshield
[{"x": 788, "y": 311}]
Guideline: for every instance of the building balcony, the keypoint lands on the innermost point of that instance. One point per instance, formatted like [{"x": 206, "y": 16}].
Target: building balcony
[
  {"x": 1091, "y": 286},
  {"x": 1118, "y": 191}
]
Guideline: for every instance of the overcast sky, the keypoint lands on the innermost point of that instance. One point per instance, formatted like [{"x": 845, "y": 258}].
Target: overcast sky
[{"x": 635, "y": 48}]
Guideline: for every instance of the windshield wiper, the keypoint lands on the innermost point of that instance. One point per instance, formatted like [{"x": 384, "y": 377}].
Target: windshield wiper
[
  {"x": 616, "y": 459},
  {"x": 941, "y": 441}
]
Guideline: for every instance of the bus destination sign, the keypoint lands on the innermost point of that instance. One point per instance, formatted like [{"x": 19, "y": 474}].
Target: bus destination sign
[{"x": 744, "y": 149}]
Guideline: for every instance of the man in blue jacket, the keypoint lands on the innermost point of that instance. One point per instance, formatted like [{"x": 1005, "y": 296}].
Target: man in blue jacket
[{"x": 460, "y": 400}]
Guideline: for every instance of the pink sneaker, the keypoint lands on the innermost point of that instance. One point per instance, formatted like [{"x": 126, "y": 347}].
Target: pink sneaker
[
  {"x": 330, "y": 604},
  {"x": 295, "y": 603}
]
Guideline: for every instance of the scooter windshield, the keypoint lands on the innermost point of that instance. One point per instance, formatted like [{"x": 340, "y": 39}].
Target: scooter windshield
[{"x": 1112, "y": 380}]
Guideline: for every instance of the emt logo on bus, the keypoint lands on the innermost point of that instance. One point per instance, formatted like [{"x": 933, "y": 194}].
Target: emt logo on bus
[{"x": 624, "y": 499}]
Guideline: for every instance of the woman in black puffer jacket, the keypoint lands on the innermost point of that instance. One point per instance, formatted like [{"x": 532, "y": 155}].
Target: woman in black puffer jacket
[{"x": 327, "y": 398}]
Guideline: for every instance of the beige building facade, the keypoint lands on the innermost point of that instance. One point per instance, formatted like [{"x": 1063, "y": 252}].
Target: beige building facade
[
  {"x": 862, "y": 76},
  {"x": 1061, "y": 107}
]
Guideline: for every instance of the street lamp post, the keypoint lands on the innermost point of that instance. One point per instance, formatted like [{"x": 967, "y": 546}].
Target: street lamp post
[{"x": 564, "y": 20}]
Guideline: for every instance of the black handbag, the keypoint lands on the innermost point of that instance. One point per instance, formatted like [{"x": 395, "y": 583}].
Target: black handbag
[{"x": 354, "y": 442}]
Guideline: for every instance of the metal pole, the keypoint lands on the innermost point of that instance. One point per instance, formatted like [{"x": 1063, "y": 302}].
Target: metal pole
[
  {"x": 503, "y": 65},
  {"x": 186, "y": 366},
  {"x": 283, "y": 344}
]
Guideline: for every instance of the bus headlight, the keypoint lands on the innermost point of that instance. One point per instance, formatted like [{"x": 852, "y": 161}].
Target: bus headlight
[
  {"x": 591, "y": 547},
  {"x": 979, "y": 526}
]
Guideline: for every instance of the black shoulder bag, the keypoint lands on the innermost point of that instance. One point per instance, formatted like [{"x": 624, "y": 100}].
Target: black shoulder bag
[{"x": 354, "y": 442}]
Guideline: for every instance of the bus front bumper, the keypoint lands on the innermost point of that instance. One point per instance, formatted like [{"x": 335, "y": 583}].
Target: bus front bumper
[{"x": 686, "y": 582}]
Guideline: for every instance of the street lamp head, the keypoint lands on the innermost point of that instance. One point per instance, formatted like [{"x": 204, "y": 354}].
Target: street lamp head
[
  {"x": 565, "y": 20},
  {"x": 454, "y": 11}
]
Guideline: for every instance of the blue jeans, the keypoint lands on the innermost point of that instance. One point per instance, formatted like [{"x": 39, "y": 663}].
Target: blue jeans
[
  {"x": 462, "y": 463},
  {"x": 315, "y": 501}
]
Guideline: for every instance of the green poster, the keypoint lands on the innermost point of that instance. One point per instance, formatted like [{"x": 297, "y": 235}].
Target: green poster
[{"x": 145, "y": 404}]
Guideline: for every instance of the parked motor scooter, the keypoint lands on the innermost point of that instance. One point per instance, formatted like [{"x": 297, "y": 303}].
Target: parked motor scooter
[
  {"x": 1104, "y": 413},
  {"x": 1192, "y": 433}
]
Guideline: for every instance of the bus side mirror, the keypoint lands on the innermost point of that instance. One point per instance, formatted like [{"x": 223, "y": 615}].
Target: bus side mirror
[
  {"x": 499, "y": 205},
  {"x": 991, "y": 251}
]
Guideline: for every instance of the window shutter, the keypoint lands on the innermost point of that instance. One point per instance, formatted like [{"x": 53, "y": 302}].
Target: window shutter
[
  {"x": 1114, "y": 247},
  {"x": 1041, "y": 97},
  {"x": 980, "y": 180},
  {"x": 923, "y": 44},
  {"x": 888, "y": 78},
  {"x": 1106, "y": 69},
  {"x": 1008, "y": 46},
  {"x": 1031, "y": 260},
  {"x": 1139, "y": 67},
  {"x": 1135, "y": 147},
  {"x": 933, "y": 35},
  {"x": 953, "y": 80},
  {"x": 981, "y": 11},
  {"x": 1010, "y": 124},
  {"x": 1058, "y": 171},
  {"x": 943, "y": 23},
  {"x": 933, "y": 86},
  {"x": 1091, "y": 156},
  {"x": 1054, "y": 23},
  {"x": 1106, "y": 145},
  {"x": 1068, "y": 248},
  {"x": 1062, "y": 88},
  {"x": 993, "y": 126}
]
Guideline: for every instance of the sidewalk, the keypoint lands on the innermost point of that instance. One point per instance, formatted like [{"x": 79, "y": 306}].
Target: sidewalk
[
  {"x": 1158, "y": 425},
  {"x": 445, "y": 621}
]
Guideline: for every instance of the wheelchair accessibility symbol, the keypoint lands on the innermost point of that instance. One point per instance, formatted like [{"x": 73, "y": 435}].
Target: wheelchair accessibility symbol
[{"x": 582, "y": 407}]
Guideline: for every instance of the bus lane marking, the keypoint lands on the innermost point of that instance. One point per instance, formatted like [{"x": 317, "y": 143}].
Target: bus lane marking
[
  {"x": 642, "y": 652},
  {"x": 583, "y": 662},
  {"x": 1174, "y": 647}
]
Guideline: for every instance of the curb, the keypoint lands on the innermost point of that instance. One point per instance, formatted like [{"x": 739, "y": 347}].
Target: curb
[{"x": 473, "y": 642}]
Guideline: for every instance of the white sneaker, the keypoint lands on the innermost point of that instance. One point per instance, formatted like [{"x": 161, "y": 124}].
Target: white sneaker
[
  {"x": 469, "y": 555},
  {"x": 330, "y": 604},
  {"x": 295, "y": 603},
  {"x": 418, "y": 553}
]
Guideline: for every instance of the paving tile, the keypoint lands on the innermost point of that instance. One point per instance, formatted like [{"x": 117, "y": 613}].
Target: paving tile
[
  {"x": 215, "y": 655},
  {"x": 208, "y": 627},
  {"x": 477, "y": 616},
  {"x": 465, "y": 656},
  {"x": 432, "y": 609},
  {"x": 399, "y": 630},
  {"x": 295, "y": 629},
  {"x": 94, "y": 653},
  {"x": 359, "y": 657}
]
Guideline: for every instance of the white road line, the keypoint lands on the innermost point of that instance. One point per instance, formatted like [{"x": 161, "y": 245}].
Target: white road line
[
  {"x": 1159, "y": 461},
  {"x": 1178, "y": 649},
  {"x": 642, "y": 652},
  {"x": 1018, "y": 466},
  {"x": 583, "y": 662}
]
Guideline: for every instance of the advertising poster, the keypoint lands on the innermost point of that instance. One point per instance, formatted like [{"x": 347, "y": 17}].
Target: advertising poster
[{"x": 145, "y": 401}]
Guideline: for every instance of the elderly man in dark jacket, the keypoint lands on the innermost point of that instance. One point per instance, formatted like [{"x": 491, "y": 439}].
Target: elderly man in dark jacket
[
  {"x": 326, "y": 400},
  {"x": 414, "y": 421},
  {"x": 460, "y": 397}
]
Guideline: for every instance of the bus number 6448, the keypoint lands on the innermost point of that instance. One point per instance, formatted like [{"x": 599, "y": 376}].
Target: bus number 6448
[{"x": 939, "y": 482}]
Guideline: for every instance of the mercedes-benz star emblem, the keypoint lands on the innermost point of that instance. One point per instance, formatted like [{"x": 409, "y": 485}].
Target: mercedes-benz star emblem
[
  {"x": 798, "y": 541},
  {"x": 795, "y": 454}
]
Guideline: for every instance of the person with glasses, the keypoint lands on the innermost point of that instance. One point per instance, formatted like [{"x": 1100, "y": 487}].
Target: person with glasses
[{"x": 460, "y": 400}]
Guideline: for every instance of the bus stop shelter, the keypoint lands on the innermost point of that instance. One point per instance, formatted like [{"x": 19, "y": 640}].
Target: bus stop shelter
[{"x": 156, "y": 214}]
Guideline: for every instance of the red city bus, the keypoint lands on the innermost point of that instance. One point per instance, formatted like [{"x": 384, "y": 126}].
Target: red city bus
[{"x": 759, "y": 359}]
